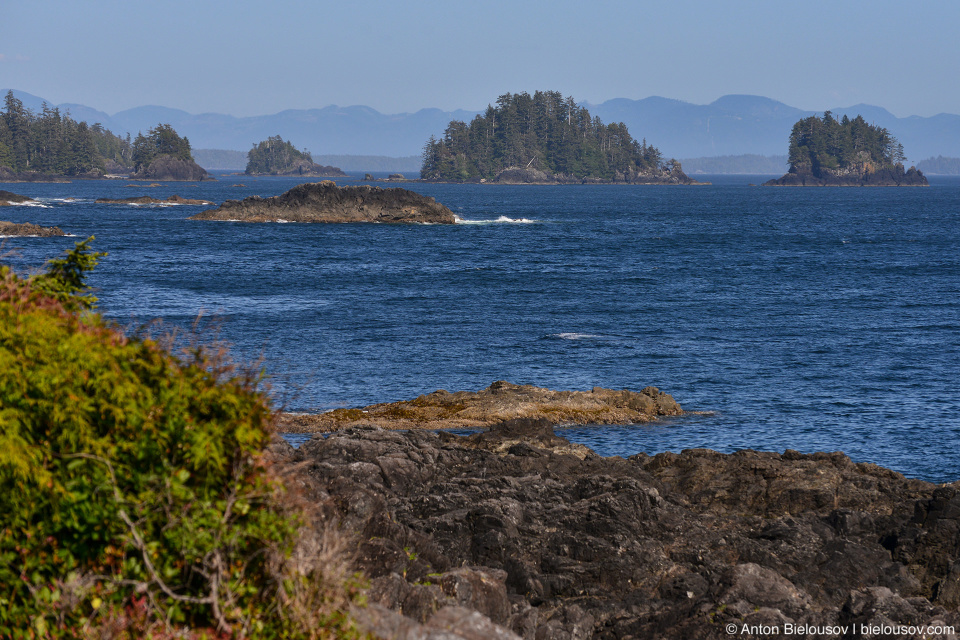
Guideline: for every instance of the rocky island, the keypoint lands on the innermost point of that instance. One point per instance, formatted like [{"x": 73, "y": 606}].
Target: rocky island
[
  {"x": 276, "y": 157},
  {"x": 326, "y": 202},
  {"x": 544, "y": 139},
  {"x": 164, "y": 155},
  {"x": 27, "y": 229},
  {"x": 826, "y": 152},
  {"x": 498, "y": 402}
]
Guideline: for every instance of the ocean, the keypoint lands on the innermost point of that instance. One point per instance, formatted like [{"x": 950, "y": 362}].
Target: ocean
[{"x": 814, "y": 319}]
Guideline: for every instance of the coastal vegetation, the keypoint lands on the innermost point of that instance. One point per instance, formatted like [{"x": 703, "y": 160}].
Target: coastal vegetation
[
  {"x": 545, "y": 132},
  {"x": 136, "y": 496},
  {"x": 275, "y": 156},
  {"x": 52, "y": 143},
  {"x": 827, "y": 151}
]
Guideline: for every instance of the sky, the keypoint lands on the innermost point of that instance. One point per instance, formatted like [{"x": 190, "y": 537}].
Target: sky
[{"x": 245, "y": 57}]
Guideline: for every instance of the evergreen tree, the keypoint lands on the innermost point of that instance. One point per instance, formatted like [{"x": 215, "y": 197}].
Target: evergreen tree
[{"x": 826, "y": 144}]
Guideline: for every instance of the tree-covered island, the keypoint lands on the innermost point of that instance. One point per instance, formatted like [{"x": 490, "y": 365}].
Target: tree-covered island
[
  {"x": 830, "y": 152},
  {"x": 52, "y": 146},
  {"x": 49, "y": 145},
  {"x": 276, "y": 157},
  {"x": 544, "y": 138},
  {"x": 163, "y": 154}
]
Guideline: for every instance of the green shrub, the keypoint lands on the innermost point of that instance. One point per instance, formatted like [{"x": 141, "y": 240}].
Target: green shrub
[{"x": 134, "y": 499}]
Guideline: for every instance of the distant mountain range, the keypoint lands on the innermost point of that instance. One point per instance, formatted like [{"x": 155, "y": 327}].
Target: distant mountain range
[{"x": 731, "y": 125}]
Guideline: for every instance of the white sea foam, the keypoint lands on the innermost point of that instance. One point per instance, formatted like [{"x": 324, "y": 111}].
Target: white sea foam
[
  {"x": 501, "y": 220},
  {"x": 29, "y": 204},
  {"x": 573, "y": 336}
]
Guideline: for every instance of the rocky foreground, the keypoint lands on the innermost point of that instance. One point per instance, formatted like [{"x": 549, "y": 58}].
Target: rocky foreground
[
  {"x": 516, "y": 532},
  {"x": 498, "y": 402},
  {"x": 326, "y": 202}
]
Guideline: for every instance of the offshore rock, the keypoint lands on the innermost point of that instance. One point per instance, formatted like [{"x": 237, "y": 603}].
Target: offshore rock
[
  {"x": 8, "y": 198},
  {"x": 142, "y": 200},
  {"x": 172, "y": 169},
  {"x": 326, "y": 202},
  {"x": 498, "y": 402},
  {"x": 26, "y": 229},
  {"x": 510, "y": 533}
]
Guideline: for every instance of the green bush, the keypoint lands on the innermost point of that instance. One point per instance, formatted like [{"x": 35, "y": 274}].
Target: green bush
[{"x": 134, "y": 497}]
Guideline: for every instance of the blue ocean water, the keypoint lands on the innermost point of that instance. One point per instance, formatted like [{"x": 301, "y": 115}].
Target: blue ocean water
[{"x": 808, "y": 319}]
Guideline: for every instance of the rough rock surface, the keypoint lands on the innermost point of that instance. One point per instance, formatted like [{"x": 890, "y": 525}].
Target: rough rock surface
[
  {"x": 306, "y": 169},
  {"x": 172, "y": 169},
  {"x": 8, "y": 198},
  {"x": 28, "y": 229},
  {"x": 895, "y": 177},
  {"x": 498, "y": 402},
  {"x": 326, "y": 202},
  {"x": 174, "y": 199},
  {"x": 507, "y": 532}
]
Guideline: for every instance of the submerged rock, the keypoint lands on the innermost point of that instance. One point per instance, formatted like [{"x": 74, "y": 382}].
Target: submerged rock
[
  {"x": 498, "y": 402},
  {"x": 326, "y": 202},
  {"x": 511, "y": 532}
]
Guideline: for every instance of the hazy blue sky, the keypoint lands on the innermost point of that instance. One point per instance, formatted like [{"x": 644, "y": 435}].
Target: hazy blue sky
[{"x": 256, "y": 57}]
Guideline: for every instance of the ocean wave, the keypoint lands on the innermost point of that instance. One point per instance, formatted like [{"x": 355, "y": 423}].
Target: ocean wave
[
  {"x": 500, "y": 220},
  {"x": 29, "y": 204}
]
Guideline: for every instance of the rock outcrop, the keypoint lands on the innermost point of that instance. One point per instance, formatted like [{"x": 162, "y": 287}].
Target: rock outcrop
[
  {"x": 498, "y": 402},
  {"x": 326, "y": 202},
  {"x": 28, "y": 229},
  {"x": 887, "y": 177},
  {"x": 169, "y": 168},
  {"x": 306, "y": 169},
  {"x": 8, "y": 198},
  {"x": 147, "y": 200},
  {"x": 510, "y": 534}
]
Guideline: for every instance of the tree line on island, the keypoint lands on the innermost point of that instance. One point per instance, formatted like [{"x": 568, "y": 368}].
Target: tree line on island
[
  {"x": 543, "y": 138},
  {"x": 274, "y": 156},
  {"x": 50, "y": 144},
  {"x": 830, "y": 152}
]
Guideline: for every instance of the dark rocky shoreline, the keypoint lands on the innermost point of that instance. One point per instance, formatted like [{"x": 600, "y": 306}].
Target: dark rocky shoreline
[
  {"x": 887, "y": 177},
  {"x": 326, "y": 202},
  {"x": 515, "y": 532}
]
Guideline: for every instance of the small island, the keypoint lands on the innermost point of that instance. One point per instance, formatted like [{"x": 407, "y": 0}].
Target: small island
[
  {"x": 276, "y": 157},
  {"x": 28, "y": 230},
  {"x": 544, "y": 139},
  {"x": 326, "y": 202},
  {"x": 826, "y": 152},
  {"x": 164, "y": 155}
]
